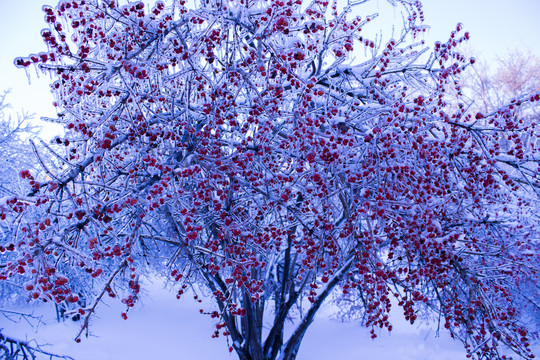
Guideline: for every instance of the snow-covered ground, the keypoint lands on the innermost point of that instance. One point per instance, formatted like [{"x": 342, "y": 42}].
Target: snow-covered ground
[{"x": 161, "y": 327}]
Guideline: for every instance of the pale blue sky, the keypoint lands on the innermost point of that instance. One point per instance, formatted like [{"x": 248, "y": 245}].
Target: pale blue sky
[{"x": 495, "y": 27}]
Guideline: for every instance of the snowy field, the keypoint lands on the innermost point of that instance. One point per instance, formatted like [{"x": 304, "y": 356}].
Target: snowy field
[{"x": 161, "y": 327}]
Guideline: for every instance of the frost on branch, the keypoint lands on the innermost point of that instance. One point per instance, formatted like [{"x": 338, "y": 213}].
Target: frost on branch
[{"x": 272, "y": 152}]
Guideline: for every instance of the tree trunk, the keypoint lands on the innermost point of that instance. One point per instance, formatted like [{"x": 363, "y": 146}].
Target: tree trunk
[{"x": 252, "y": 347}]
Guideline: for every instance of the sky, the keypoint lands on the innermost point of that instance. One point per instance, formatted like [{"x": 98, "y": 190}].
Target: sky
[{"x": 495, "y": 27}]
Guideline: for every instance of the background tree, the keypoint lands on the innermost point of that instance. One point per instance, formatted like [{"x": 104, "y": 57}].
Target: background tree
[
  {"x": 15, "y": 154},
  {"x": 514, "y": 74},
  {"x": 273, "y": 153}
]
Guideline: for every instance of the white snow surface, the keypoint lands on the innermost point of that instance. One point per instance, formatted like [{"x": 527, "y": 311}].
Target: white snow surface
[{"x": 162, "y": 327}]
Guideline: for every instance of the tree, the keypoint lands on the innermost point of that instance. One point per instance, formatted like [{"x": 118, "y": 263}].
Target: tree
[
  {"x": 16, "y": 156},
  {"x": 14, "y": 349},
  {"x": 490, "y": 87},
  {"x": 273, "y": 153}
]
